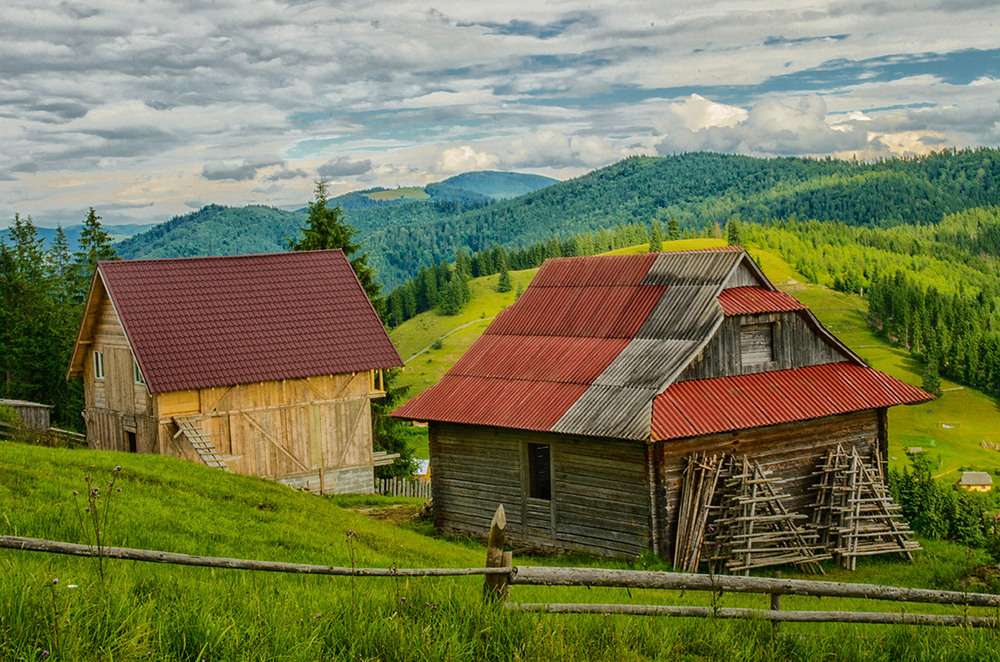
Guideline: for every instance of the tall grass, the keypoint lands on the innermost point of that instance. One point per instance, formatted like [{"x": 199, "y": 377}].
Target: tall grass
[{"x": 158, "y": 612}]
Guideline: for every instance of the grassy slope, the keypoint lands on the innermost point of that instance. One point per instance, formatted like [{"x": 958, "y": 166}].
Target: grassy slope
[
  {"x": 149, "y": 611},
  {"x": 409, "y": 192},
  {"x": 950, "y": 428}
]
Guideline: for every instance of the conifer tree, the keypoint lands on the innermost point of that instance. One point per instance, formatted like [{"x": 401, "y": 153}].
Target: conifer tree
[
  {"x": 325, "y": 229},
  {"x": 673, "y": 229},
  {"x": 655, "y": 238},
  {"x": 734, "y": 236}
]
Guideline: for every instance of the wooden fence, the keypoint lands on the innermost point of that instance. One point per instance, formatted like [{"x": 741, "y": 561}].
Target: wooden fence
[
  {"x": 500, "y": 574},
  {"x": 404, "y": 487},
  {"x": 48, "y": 437}
]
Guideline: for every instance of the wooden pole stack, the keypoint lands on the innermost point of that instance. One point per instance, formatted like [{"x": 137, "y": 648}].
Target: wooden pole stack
[
  {"x": 756, "y": 529},
  {"x": 854, "y": 513},
  {"x": 701, "y": 478}
]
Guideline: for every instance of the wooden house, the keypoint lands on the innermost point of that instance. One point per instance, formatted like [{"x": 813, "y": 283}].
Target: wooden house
[
  {"x": 975, "y": 481},
  {"x": 30, "y": 414},
  {"x": 579, "y": 406},
  {"x": 260, "y": 364}
]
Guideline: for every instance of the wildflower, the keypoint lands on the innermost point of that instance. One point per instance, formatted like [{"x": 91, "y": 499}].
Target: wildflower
[
  {"x": 45, "y": 652},
  {"x": 351, "y": 533},
  {"x": 55, "y": 580},
  {"x": 119, "y": 489},
  {"x": 75, "y": 493},
  {"x": 70, "y": 585},
  {"x": 87, "y": 478},
  {"x": 119, "y": 468}
]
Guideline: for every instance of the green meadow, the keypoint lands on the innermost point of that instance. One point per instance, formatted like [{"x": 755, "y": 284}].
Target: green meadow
[{"x": 58, "y": 608}]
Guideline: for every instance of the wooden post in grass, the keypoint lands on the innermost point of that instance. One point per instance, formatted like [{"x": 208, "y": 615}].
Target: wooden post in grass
[
  {"x": 495, "y": 586},
  {"x": 776, "y": 603}
]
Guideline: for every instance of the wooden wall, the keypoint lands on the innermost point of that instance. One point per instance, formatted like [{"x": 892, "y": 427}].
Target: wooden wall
[
  {"x": 600, "y": 494},
  {"x": 793, "y": 451},
  {"x": 278, "y": 428},
  {"x": 115, "y": 405},
  {"x": 796, "y": 345}
]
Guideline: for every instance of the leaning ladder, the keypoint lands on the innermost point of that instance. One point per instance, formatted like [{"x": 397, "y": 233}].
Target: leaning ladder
[{"x": 188, "y": 427}]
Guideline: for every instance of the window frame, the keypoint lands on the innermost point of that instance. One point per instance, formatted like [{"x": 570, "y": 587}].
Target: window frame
[
  {"x": 539, "y": 472},
  {"x": 137, "y": 377},
  {"x": 98, "y": 364}
]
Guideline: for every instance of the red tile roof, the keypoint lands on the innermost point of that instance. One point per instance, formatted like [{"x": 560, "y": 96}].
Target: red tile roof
[
  {"x": 592, "y": 341},
  {"x": 218, "y": 321},
  {"x": 750, "y": 300},
  {"x": 708, "y": 406}
]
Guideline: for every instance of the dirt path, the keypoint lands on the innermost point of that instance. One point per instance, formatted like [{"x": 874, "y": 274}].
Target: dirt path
[{"x": 457, "y": 328}]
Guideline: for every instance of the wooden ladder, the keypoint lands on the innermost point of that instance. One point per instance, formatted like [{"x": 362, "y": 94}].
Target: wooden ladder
[{"x": 189, "y": 428}]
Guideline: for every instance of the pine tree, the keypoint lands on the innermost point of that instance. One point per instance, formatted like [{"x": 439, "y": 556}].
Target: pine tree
[
  {"x": 734, "y": 236},
  {"x": 673, "y": 229},
  {"x": 503, "y": 283},
  {"x": 325, "y": 229},
  {"x": 450, "y": 302},
  {"x": 931, "y": 377},
  {"x": 655, "y": 238},
  {"x": 94, "y": 245}
]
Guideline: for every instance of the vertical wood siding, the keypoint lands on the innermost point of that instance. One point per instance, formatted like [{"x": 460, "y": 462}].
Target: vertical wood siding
[
  {"x": 600, "y": 502},
  {"x": 795, "y": 345}
]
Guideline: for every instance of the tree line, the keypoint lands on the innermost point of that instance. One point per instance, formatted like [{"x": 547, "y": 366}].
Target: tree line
[{"x": 42, "y": 294}]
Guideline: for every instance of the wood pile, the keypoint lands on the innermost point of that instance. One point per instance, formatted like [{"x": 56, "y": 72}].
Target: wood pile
[
  {"x": 755, "y": 528},
  {"x": 854, "y": 514},
  {"x": 701, "y": 478}
]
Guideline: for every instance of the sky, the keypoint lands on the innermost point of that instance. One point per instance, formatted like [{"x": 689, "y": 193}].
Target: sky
[{"x": 146, "y": 110}]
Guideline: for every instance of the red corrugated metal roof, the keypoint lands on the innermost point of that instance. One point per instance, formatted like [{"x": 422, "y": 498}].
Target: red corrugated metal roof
[
  {"x": 708, "y": 406},
  {"x": 219, "y": 321},
  {"x": 539, "y": 358},
  {"x": 600, "y": 270},
  {"x": 587, "y": 311},
  {"x": 750, "y": 300},
  {"x": 506, "y": 403}
]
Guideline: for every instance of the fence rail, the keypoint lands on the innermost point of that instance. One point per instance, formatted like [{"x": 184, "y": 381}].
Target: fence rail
[
  {"x": 404, "y": 487},
  {"x": 500, "y": 574},
  {"x": 48, "y": 437}
]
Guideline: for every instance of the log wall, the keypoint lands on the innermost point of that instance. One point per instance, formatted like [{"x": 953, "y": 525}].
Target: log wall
[
  {"x": 600, "y": 495},
  {"x": 793, "y": 451},
  {"x": 795, "y": 345}
]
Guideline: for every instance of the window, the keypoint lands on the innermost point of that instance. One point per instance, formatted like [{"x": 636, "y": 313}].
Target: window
[
  {"x": 539, "y": 472},
  {"x": 137, "y": 373},
  {"x": 376, "y": 382},
  {"x": 757, "y": 343},
  {"x": 98, "y": 365}
]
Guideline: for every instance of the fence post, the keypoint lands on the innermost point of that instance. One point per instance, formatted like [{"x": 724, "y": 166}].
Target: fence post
[
  {"x": 776, "y": 603},
  {"x": 495, "y": 586}
]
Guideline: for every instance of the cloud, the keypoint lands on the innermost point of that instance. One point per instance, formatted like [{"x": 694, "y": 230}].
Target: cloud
[
  {"x": 345, "y": 166},
  {"x": 773, "y": 128},
  {"x": 463, "y": 159},
  {"x": 234, "y": 171}
]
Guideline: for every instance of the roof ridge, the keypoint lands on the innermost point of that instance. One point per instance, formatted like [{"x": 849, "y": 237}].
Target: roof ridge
[{"x": 194, "y": 258}]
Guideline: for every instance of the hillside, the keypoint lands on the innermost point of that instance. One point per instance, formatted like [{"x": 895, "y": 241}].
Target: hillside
[
  {"x": 58, "y": 607},
  {"x": 950, "y": 428},
  {"x": 404, "y": 233},
  {"x": 117, "y": 232}
]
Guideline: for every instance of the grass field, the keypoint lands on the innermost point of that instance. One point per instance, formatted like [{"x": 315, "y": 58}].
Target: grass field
[
  {"x": 950, "y": 428},
  {"x": 57, "y": 608},
  {"x": 408, "y": 192}
]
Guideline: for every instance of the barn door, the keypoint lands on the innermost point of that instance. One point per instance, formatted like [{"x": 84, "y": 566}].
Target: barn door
[{"x": 539, "y": 516}]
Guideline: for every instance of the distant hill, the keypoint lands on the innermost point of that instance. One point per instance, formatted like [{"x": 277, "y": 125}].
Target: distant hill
[
  {"x": 216, "y": 230},
  {"x": 499, "y": 185},
  {"x": 117, "y": 232},
  {"x": 403, "y": 233},
  {"x": 470, "y": 188}
]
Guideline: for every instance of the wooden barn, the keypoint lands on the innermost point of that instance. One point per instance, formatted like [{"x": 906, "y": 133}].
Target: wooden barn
[
  {"x": 260, "y": 364},
  {"x": 580, "y": 406}
]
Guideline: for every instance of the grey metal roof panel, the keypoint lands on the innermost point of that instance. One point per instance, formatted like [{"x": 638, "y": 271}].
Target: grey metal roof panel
[
  {"x": 610, "y": 411},
  {"x": 684, "y": 312},
  {"x": 646, "y": 362},
  {"x": 708, "y": 268}
]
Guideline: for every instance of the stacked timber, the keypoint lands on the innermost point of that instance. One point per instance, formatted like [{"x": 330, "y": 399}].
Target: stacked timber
[
  {"x": 854, "y": 514},
  {"x": 756, "y": 529},
  {"x": 698, "y": 490}
]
